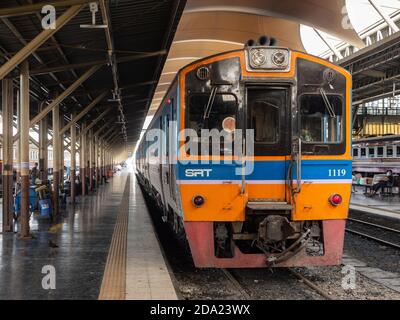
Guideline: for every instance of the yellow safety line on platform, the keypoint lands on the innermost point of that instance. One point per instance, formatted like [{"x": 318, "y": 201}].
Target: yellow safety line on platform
[{"x": 113, "y": 284}]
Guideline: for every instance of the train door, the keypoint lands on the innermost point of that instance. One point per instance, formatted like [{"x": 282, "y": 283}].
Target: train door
[{"x": 267, "y": 116}]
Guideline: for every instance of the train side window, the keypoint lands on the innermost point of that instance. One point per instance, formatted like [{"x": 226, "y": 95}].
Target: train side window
[
  {"x": 397, "y": 151},
  {"x": 371, "y": 152},
  {"x": 380, "y": 152},
  {"x": 321, "y": 121},
  {"x": 355, "y": 152},
  {"x": 389, "y": 151},
  {"x": 363, "y": 152}
]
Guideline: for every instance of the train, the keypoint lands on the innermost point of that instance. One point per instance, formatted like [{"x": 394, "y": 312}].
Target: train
[
  {"x": 374, "y": 155},
  {"x": 249, "y": 157}
]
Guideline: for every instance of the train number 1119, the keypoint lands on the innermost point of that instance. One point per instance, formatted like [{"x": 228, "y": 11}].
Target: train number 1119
[{"x": 337, "y": 172}]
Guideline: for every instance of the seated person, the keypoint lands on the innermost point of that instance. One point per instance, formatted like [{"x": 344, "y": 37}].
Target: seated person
[{"x": 386, "y": 181}]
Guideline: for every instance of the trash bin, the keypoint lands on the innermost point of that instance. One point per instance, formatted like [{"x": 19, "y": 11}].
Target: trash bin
[{"x": 45, "y": 207}]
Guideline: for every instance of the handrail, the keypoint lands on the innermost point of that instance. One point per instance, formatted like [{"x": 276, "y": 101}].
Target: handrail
[{"x": 298, "y": 168}]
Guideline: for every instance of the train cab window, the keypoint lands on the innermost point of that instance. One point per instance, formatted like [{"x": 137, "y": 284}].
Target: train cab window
[
  {"x": 355, "y": 152},
  {"x": 263, "y": 112},
  {"x": 267, "y": 119},
  {"x": 321, "y": 118},
  {"x": 379, "y": 152},
  {"x": 371, "y": 152},
  {"x": 213, "y": 111},
  {"x": 389, "y": 152},
  {"x": 207, "y": 111}
]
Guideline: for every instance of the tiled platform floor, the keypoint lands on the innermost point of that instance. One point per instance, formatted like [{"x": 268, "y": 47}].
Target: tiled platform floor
[{"x": 83, "y": 241}]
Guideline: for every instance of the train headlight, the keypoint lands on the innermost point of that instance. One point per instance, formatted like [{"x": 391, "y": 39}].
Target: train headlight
[
  {"x": 335, "y": 199},
  {"x": 258, "y": 57},
  {"x": 267, "y": 59},
  {"x": 279, "y": 59},
  {"x": 198, "y": 201}
]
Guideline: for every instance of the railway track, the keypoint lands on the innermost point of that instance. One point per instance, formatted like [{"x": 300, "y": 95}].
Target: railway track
[
  {"x": 232, "y": 279},
  {"x": 377, "y": 232},
  {"x": 235, "y": 283}
]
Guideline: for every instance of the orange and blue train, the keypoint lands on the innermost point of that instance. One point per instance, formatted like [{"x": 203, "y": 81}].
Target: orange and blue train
[{"x": 290, "y": 208}]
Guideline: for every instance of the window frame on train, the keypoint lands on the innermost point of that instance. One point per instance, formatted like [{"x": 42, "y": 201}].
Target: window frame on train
[
  {"x": 341, "y": 132},
  {"x": 363, "y": 152},
  {"x": 189, "y": 114},
  {"x": 371, "y": 154},
  {"x": 379, "y": 151}
]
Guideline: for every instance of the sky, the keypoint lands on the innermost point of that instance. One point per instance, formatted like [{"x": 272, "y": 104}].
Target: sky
[{"x": 361, "y": 14}]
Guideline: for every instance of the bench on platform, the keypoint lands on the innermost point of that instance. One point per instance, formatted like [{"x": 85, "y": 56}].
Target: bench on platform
[{"x": 387, "y": 190}]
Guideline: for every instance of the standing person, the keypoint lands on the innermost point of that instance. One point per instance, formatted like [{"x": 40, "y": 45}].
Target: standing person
[{"x": 34, "y": 173}]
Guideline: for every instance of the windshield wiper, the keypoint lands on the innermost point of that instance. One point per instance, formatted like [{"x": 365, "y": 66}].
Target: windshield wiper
[
  {"x": 327, "y": 103},
  {"x": 210, "y": 103}
]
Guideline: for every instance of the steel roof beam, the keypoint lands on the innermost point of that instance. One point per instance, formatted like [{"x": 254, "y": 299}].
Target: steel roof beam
[
  {"x": 34, "y": 8},
  {"x": 61, "y": 52},
  {"x": 61, "y": 97},
  {"x": 127, "y": 87},
  {"x": 107, "y": 132},
  {"x": 111, "y": 56},
  {"x": 95, "y": 63},
  {"x": 89, "y": 107},
  {"x": 91, "y": 125},
  {"x": 38, "y": 41},
  {"x": 113, "y": 137},
  {"x": 166, "y": 41},
  {"x": 101, "y": 129},
  {"x": 21, "y": 39},
  {"x": 384, "y": 15},
  {"x": 330, "y": 46},
  {"x": 64, "y": 95}
]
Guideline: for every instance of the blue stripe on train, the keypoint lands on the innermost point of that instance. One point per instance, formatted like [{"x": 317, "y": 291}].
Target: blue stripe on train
[{"x": 267, "y": 170}]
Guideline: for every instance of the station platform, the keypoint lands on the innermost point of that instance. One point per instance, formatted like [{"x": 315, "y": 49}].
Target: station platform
[
  {"x": 388, "y": 206},
  {"x": 103, "y": 248}
]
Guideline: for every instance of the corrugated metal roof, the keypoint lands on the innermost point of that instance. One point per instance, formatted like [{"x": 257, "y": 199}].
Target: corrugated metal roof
[{"x": 137, "y": 27}]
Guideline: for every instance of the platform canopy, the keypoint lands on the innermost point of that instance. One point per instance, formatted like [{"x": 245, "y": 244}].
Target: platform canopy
[
  {"x": 211, "y": 26},
  {"x": 119, "y": 59}
]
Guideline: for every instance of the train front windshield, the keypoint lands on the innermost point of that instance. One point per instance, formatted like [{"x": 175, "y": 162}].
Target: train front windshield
[
  {"x": 208, "y": 112},
  {"x": 213, "y": 116}
]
